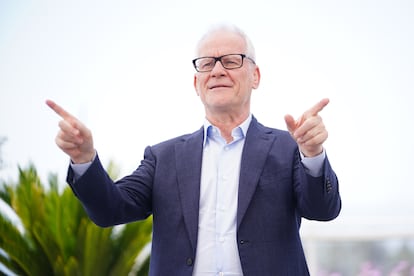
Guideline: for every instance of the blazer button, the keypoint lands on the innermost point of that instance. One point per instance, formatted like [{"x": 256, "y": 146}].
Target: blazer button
[
  {"x": 328, "y": 185},
  {"x": 189, "y": 261}
]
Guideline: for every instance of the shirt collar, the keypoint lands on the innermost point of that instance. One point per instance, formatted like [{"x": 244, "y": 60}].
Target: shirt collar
[{"x": 243, "y": 126}]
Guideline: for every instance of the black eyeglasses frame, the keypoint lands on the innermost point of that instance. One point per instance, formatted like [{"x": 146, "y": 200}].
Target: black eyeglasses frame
[{"x": 243, "y": 56}]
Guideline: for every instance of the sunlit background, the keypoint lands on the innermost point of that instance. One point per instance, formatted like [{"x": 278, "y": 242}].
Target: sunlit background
[{"x": 124, "y": 68}]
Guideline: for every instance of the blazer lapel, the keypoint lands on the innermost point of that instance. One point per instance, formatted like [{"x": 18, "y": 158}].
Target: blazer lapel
[
  {"x": 188, "y": 158},
  {"x": 256, "y": 148}
]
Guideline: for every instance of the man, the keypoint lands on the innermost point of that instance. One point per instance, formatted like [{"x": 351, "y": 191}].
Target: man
[{"x": 227, "y": 199}]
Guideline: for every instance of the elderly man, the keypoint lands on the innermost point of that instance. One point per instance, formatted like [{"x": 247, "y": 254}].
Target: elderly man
[{"x": 227, "y": 199}]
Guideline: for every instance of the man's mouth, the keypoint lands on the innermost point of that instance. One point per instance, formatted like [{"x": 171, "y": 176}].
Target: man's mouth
[{"x": 218, "y": 86}]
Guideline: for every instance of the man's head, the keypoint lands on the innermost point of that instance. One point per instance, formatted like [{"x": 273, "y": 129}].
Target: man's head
[{"x": 226, "y": 91}]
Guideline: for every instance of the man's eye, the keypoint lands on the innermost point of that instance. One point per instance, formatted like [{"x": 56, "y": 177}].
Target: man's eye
[
  {"x": 207, "y": 64},
  {"x": 231, "y": 63}
]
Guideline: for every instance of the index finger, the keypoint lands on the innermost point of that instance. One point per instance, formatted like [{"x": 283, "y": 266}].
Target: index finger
[
  {"x": 59, "y": 110},
  {"x": 314, "y": 110}
]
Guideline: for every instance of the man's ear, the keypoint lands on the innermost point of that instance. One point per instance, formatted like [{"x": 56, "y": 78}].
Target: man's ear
[
  {"x": 256, "y": 78},
  {"x": 195, "y": 84}
]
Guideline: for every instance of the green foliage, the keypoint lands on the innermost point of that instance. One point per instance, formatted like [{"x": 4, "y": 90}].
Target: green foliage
[{"x": 56, "y": 237}]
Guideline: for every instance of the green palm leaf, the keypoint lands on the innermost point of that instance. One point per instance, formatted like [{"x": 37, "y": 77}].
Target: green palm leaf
[{"x": 58, "y": 238}]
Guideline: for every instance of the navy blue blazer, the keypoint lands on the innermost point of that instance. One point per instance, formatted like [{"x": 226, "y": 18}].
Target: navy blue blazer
[{"x": 274, "y": 194}]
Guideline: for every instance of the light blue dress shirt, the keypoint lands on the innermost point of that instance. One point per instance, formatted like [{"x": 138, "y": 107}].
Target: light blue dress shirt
[{"x": 217, "y": 252}]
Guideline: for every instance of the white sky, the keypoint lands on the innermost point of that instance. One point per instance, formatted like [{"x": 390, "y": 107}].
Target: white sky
[{"x": 124, "y": 68}]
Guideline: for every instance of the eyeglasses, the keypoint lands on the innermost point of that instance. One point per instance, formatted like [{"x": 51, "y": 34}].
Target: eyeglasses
[{"x": 232, "y": 61}]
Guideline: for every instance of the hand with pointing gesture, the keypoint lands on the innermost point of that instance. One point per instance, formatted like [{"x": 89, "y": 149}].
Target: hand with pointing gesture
[
  {"x": 73, "y": 138},
  {"x": 309, "y": 131}
]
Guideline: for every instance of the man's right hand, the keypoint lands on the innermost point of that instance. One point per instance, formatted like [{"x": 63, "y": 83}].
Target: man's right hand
[{"x": 73, "y": 138}]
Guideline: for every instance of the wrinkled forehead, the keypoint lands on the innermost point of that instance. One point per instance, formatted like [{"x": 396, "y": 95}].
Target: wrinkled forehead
[{"x": 221, "y": 42}]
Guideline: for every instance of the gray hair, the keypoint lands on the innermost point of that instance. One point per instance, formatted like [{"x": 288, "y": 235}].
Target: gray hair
[{"x": 250, "y": 51}]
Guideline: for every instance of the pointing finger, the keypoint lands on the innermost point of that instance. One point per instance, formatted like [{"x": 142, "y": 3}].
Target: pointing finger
[
  {"x": 314, "y": 110},
  {"x": 70, "y": 123},
  {"x": 59, "y": 110}
]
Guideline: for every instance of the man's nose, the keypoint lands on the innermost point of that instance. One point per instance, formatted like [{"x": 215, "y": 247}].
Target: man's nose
[{"x": 218, "y": 69}]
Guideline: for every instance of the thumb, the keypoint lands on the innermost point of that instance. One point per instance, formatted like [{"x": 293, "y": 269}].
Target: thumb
[{"x": 290, "y": 123}]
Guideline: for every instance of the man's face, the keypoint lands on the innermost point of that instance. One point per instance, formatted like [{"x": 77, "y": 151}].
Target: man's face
[{"x": 223, "y": 90}]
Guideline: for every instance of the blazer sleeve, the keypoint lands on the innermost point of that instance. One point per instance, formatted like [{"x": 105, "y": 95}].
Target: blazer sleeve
[
  {"x": 317, "y": 197},
  {"x": 110, "y": 203}
]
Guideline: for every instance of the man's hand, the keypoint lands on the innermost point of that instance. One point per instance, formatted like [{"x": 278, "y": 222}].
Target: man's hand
[
  {"x": 309, "y": 131},
  {"x": 73, "y": 138}
]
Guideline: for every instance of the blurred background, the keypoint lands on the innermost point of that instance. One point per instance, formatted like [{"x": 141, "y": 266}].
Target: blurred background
[{"x": 124, "y": 68}]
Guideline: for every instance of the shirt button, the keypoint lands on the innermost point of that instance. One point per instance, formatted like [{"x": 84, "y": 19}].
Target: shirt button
[
  {"x": 189, "y": 262},
  {"x": 221, "y": 239}
]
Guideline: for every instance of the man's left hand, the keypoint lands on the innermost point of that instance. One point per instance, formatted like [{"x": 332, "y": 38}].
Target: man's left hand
[{"x": 309, "y": 130}]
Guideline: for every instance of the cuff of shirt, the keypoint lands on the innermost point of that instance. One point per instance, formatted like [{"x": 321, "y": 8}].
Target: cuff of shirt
[
  {"x": 314, "y": 165},
  {"x": 80, "y": 169}
]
